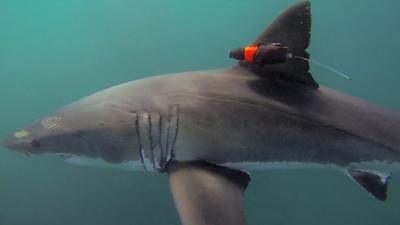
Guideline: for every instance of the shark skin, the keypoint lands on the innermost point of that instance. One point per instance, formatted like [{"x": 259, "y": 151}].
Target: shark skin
[
  {"x": 244, "y": 118},
  {"x": 221, "y": 118}
]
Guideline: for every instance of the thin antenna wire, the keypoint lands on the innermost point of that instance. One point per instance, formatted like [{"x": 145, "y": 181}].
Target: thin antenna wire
[{"x": 324, "y": 66}]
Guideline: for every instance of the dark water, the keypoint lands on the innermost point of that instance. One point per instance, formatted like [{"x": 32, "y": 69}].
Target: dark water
[{"x": 54, "y": 52}]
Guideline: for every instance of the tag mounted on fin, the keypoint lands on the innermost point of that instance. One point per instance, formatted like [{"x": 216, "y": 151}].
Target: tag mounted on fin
[
  {"x": 373, "y": 182},
  {"x": 292, "y": 31},
  {"x": 262, "y": 54}
]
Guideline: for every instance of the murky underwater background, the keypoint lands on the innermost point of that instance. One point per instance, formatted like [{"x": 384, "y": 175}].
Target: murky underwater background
[{"x": 55, "y": 52}]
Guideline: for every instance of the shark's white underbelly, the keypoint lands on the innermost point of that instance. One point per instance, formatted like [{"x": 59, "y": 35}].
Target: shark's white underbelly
[
  {"x": 244, "y": 166},
  {"x": 83, "y": 161},
  {"x": 260, "y": 166}
]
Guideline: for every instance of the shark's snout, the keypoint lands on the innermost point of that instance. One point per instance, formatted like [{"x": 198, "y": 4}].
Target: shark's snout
[
  {"x": 8, "y": 142},
  {"x": 3, "y": 143},
  {"x": 85, "y": 128},
  {"x": 18, "y": 144}
]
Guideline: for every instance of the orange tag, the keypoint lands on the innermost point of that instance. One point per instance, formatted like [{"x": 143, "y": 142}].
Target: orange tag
[{"x": 249, "y": 53}]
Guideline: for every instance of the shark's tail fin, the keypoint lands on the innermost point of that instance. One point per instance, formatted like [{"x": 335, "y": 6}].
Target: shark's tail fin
[{"x": 291, "y": 29}]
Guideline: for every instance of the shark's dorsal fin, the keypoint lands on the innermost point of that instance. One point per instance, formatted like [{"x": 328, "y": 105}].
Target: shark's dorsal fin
[
  {"x": 292, "y": 29},
  {"x": 208, "y": 194},
  {"x": 373, "y": 182}
]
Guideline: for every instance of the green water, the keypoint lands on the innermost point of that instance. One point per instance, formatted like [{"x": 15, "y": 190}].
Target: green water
[{"x": 54, "y": 52}]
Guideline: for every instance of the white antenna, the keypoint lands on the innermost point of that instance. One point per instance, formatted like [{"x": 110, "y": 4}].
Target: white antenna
[{"x": 320, "y": 64}]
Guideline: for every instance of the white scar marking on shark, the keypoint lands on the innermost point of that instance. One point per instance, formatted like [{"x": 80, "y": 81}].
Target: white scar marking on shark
[
  {"x": 21, "y": 134},
  {"x": 51, "y": 122}
]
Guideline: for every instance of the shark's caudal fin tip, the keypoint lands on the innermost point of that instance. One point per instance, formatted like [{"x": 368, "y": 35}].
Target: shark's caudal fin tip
[{"x": 373, "y": 182}]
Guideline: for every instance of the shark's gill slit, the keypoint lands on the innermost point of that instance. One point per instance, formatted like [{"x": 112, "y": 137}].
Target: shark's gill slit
[
  {"x": 168, "y": 131},
  {"x": 176, "y": 132},
  {"x": 161, "y": 144},
  {"x": 152, "y": 155},
  {"x": 167, "y": 156},
  {"x": 139, "y": 141},
  {"x": 155, "y": 142},
  {"x": 172, "y": 132}
]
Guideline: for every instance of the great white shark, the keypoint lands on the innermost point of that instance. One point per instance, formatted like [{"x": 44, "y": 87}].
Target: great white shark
[{"x": 208, "y": 129}]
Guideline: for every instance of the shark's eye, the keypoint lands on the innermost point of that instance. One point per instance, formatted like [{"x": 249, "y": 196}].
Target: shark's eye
[{"x": 35, "y": 144}]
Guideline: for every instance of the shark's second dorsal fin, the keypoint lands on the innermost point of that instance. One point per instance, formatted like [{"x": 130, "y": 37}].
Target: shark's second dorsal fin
[
  {"x": 373, "y": 182},
  {"x": 292, "y": 29}
]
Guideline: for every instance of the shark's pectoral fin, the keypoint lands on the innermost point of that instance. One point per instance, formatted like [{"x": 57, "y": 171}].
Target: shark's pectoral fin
[
  {"x": 208, "y": 194},
  {"x": 372, "y": 181}
]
